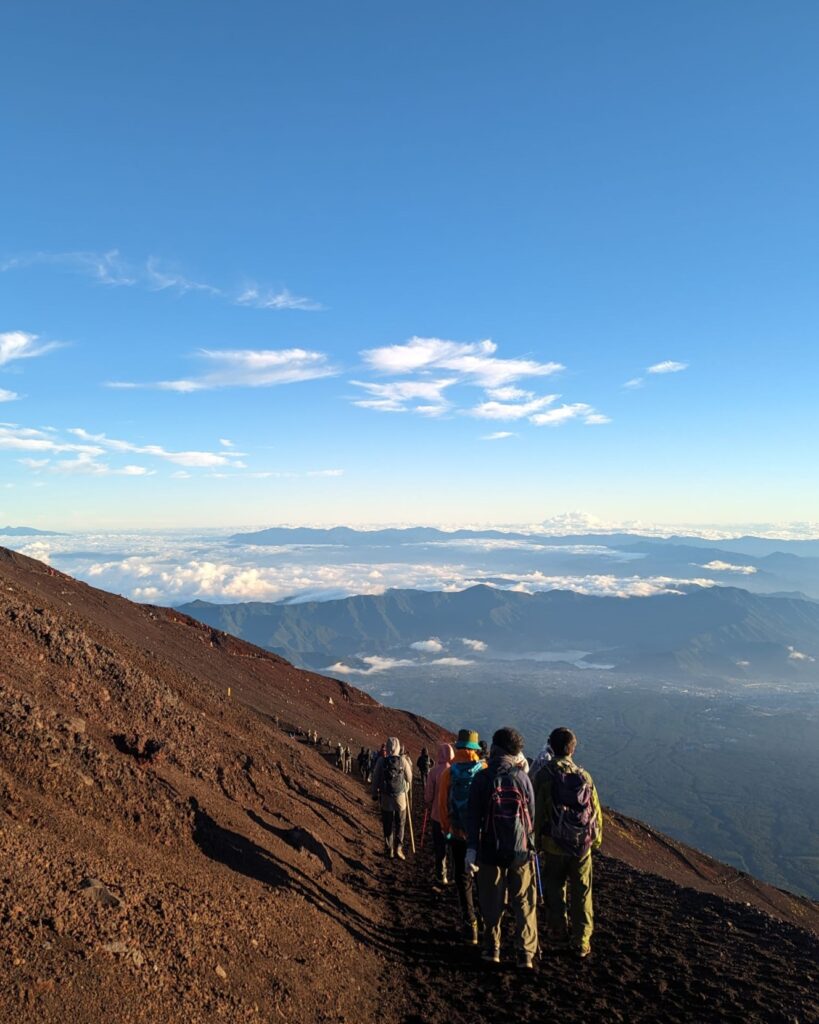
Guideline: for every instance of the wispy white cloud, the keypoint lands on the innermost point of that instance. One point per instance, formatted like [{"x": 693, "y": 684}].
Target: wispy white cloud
[
  {"x": 268, "y": 298},
  {"x": 106, "y": 267},
  {"x": 512, "y": 410},
  {"x": 325, "y": 472},
  {"x": 111, "y": 268},
  {"x": 509, "y": 394},
  {"x": 717, "y": 565},
  {"x": 425, "y": 397},
  {"x": 499, "y": 435},
  {"x": 90, "y": 465},
  {"x": 472, "y": 364},
  {"x": 475, "y": 362},
  {"x": 452, "y": 662},
  {"x": 634, "y": 383},
  {"x": 667, "y": 366},
  {"x": 374, "y": 662},
  {"x": 22, "y": 345},
  {"x": 8, "y": 396},
  {"x": 16, "y": 438},
  {"x": 160, "y": 280},
  {"x": 225, "y": 443},
  {"x": 190, "y": 459},
  {"x": 564, "y": 413},
  {"x": 252, "y": 368}
]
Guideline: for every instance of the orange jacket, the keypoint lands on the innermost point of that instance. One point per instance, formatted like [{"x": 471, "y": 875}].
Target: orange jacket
[{"x": 461, "y": 757}]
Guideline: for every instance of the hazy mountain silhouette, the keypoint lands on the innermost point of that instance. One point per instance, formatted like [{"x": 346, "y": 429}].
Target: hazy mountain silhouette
[{"x": 703, "y": 629}]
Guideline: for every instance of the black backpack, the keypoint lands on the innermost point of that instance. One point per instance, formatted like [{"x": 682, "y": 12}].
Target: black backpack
[{"x": 393, "y": 781}]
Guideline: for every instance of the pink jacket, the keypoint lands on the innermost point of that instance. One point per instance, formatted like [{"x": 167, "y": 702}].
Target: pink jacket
[{"x": 445, "y": 755}]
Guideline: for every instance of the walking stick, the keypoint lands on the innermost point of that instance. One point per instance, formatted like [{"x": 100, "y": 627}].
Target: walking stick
[
  {"x": 409, "y": 818},
  {"x": 539, "y": 883},
  {"x": 424, "y": 826}
]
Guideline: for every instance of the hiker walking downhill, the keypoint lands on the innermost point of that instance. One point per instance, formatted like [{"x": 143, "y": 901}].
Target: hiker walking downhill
[
  {"x": 453, "y": 801},
  {"x": 568, "y": 826},
  {"x": 431, "y": 789},
  {"x": 501, "y": 847},
  {"x": 392, "y": 781}
]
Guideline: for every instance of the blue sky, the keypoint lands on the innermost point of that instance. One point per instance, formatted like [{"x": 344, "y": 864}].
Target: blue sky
[{"x": 245, "y": 212}]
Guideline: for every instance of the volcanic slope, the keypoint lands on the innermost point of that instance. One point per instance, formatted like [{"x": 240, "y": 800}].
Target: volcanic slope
[{"x": 172, "y": 853}]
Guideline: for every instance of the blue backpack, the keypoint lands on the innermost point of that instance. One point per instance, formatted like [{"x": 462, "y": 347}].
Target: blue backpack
[{"x": 461, "y": 777}]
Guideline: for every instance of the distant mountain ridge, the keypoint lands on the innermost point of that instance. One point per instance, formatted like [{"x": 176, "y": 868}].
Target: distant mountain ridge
[
  {"x": 27, "y": 531},
  {"x": 704, "y": 629},
  {"x": 749, "y": 545}
]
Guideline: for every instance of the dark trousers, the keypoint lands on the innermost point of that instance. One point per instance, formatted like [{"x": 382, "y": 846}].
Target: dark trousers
[
  {"x": 393, "y": 819},
  {"x": 439, "y": 849},
  {"x": 463, "y": 879}
]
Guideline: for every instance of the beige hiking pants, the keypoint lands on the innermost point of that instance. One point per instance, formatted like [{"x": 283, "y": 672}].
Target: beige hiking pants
[{"x": 494, "y": 884}]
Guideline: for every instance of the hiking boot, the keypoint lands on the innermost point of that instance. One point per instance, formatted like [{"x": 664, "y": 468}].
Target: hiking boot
[
  {"x": 524, "y": 962},
  {"x": 581, "y": 952},
  {"x": 399, "y": 853},
  {"x": 471, "y": 933},
  {"x": 491, "y": 955}
]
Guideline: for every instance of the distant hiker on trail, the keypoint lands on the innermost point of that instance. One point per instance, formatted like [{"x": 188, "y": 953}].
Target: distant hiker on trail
[
  {"x": 392, "y": 781},
  {"x": 424, "y": 764},
  {"x": 453, "y": 802},
  {"x": 568, "y": 826},
  {"x": 363, "y": 761},
  {"x": 484, "y": 751},
  {"x": 374, "y": 756},
  {"x": 501, "y": 847},
  {"x": 431, "y": 789},
  {"x": 340, "y": 756},
  {"x": 348, "y": 761}
]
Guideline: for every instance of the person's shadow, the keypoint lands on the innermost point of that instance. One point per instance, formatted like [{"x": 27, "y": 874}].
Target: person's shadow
[{"x": 235, "y": 850}]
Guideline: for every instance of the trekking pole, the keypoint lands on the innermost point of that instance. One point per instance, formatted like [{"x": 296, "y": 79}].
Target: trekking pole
[
  {"x": 409, "y": 819},
  {"x": 424, "y": 826},
  {"x": 540, "y": 899}
]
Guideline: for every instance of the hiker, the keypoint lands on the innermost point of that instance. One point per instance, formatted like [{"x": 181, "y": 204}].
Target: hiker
[
  {"x": 424, "y": 764},
  {"x": 363, "y": 760},
  {"x": 484, "y": 751},
  {"x": 445, "y": 755},
  {"x": 340, "y": 756},
  {"x": 374, "y": 755},
  {"x": 568, "y": 826},
  {"x": 392, "y": 780},
  {"x": 501, "y": 847},
  {"x": 348, "y": 761},
  {"x": 453, "y": 801}
]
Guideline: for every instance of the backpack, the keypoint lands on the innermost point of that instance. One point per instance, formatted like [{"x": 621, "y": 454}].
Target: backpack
[
  {"x": 393, "y": 781},
  {"x": 508, "y": 825},
  {"x": 574, "y": 824},
  {"x": 461, "y": 777}
]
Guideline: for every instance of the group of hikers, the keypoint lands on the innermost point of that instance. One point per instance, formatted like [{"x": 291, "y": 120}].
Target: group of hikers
[{"x": 518, "y": 833}]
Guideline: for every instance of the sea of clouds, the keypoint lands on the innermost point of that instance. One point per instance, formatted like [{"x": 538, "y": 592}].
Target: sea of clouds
[{"x": 175, "y": 567}]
